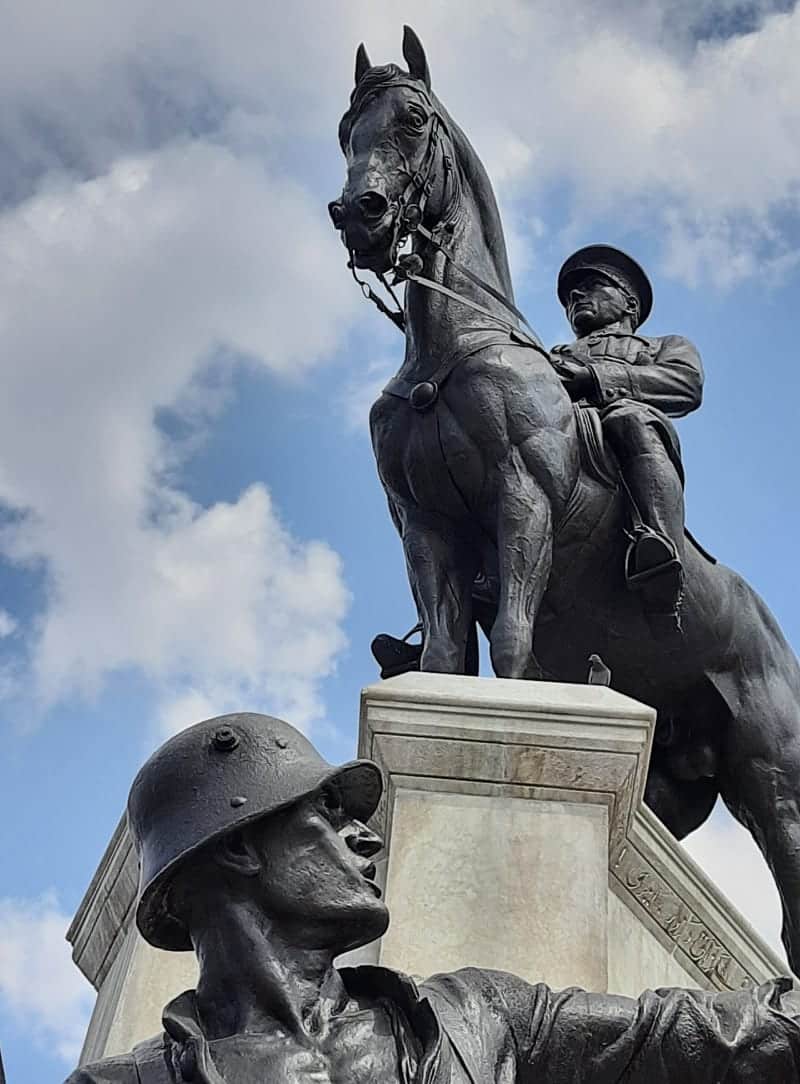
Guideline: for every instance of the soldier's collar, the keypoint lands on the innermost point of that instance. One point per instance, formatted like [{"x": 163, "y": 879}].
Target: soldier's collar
[
  {"x": 378, "y": 981},
  {"x": 181, "y": 1019}
]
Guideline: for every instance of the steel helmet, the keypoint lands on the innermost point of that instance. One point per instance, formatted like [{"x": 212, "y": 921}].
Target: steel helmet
[{"x": 215, "y": 777}]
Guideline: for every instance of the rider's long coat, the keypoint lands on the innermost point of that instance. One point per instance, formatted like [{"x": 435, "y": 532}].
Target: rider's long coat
[
  {"x": 663, "y": 372},
  {"x": 657, "y": 377},
  {"x": 487, "y": 1027}
]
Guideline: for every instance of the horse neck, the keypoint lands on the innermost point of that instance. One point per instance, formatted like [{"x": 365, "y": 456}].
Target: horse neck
[{"x": 436, "y": 324}]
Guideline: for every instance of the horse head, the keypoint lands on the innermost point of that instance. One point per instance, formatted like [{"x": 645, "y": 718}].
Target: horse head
[{"x": 401, "y": 169}]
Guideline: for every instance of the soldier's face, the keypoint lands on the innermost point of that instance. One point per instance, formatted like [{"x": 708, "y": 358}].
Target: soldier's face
[
  {"x": 317, "y": 879},
  {"x": 594, "y": 302}
]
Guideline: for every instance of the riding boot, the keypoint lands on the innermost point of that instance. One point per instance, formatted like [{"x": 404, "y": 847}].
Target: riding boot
[
  {"x": 396, "y": 656},
  {"x": 654, "y": 560}
]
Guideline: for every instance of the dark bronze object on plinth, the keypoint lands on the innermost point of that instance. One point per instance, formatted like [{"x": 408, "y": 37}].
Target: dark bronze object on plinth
[
  {"x": 540, "y": 494},
  {"x": 253, "y": 851}
]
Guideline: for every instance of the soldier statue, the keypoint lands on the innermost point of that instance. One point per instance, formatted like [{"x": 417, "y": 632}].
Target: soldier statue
[
  {"x": 255, "y": 853},
  {"x": 637, "y": 384}
]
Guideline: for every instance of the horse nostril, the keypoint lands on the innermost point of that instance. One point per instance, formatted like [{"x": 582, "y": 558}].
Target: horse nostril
[
  {"x": 372, "y": 205},
  {"x": 336, "y": 211}
]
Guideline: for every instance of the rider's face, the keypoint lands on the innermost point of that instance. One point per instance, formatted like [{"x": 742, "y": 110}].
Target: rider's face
[{"x": 594, "y": 302}]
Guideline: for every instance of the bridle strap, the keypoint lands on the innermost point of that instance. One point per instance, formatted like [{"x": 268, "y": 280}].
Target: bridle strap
[
  {"x": 411, "y": 209},
  {"x": 517, "y": 333},
  {"x": 478, "y": 281}
]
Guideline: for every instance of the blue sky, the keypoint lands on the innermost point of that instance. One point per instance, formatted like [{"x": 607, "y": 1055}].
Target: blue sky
[{"x": 189, "y": 516}]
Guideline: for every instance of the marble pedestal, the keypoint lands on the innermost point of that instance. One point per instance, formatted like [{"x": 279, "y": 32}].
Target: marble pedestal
[{"x": 516, "y": 839}]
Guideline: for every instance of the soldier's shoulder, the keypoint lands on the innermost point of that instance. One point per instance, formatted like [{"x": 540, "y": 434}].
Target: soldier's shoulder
[
  {"x": 119, "y": 1070},
  {"x": 670, "y": 342},
  {"x": 486, "y": 983},
  {"x": 146, "y": 1065}
]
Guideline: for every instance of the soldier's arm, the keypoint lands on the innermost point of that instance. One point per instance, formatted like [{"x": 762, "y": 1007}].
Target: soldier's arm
[
  {"x": 672, "y": 381},
  {"x": 121, "y": 1070},
  {"x": 694, "y": 1036}
]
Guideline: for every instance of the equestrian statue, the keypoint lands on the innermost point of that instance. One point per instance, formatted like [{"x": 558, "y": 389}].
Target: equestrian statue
[{"x": 539, "y": 494}]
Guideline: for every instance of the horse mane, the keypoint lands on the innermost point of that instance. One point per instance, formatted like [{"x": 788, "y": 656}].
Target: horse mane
[
  {"x": 476, "y": 179},
  {"x": 474, "y": 175}
]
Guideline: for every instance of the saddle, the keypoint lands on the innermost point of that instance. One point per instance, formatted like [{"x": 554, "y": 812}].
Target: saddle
[{"x": 597, "y": 459}]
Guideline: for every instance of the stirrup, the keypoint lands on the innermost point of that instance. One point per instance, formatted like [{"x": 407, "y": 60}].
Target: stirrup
[
  {"x": 651, "y": 556},
  {"x": 396, "y": 656}
]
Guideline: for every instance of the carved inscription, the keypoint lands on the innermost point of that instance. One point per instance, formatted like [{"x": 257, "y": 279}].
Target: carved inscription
[{"x": 680, "y": 924}]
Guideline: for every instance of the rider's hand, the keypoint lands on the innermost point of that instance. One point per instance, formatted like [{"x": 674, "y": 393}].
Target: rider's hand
[{"x": 576, "y": 378}]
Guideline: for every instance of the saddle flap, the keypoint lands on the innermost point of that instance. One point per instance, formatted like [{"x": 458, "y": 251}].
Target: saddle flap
[{"x": 595, "y": 457}]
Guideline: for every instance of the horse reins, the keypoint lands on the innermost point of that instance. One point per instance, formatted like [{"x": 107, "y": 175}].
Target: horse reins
[{"x": 411, "y": 209}]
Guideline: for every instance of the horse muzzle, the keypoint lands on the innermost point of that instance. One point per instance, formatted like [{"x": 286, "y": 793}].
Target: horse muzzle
[{"x": 367, "y": 227}]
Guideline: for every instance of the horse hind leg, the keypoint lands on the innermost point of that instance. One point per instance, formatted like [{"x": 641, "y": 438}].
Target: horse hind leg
[{"x": 761, "y": 787}]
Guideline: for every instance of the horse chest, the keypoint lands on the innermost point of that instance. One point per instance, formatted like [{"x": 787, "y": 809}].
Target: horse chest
[{"x": 429, "y": 458}]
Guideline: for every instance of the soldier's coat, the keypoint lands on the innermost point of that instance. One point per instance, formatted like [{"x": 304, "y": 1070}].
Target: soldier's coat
[{"x": 487, "y": 1027}]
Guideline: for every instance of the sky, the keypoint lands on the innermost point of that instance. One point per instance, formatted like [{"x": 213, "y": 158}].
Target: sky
[{"x": 190, "y": 520}]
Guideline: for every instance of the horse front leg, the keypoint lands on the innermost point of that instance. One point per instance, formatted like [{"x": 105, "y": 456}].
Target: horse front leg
[
  {"x": 441, "y": 570},
  {"x": 525, "y": 548}
]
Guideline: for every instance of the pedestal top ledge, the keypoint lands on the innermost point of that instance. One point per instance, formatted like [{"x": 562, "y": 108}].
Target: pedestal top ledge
[
  {"x": 501, "y": 707},
  {"x": 584, "y": 740},
  {"x": 549, "y": 697}
]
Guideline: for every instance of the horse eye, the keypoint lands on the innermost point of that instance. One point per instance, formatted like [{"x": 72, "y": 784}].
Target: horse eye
[{"x": 416, "y": 119}]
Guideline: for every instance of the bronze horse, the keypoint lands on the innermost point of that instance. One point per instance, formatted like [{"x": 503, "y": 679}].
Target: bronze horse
[{"x": 478, "y": 450}]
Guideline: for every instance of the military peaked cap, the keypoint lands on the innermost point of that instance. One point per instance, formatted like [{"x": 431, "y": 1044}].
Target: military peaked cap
[{"x": 615, "y": 265}]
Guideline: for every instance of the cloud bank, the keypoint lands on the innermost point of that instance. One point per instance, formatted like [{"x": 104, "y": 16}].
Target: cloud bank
[{"x": 115, "y": 295}]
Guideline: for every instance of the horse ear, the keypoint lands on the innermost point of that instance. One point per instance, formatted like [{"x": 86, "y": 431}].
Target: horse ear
[
  {"x": 415, "y": 56},
  {"x": 362, "y": 63}
]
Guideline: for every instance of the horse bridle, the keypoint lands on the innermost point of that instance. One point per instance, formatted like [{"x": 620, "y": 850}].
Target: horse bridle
[{"x": 409, "y": 220}]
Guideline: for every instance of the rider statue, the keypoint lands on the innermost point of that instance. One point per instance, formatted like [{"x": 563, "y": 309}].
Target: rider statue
[{"x": 636, "y": 383}]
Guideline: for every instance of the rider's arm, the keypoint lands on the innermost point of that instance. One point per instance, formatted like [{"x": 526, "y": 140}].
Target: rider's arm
[{"x": 672, "y": 380}]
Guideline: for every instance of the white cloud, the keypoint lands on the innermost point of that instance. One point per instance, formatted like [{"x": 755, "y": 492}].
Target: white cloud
[
  {"x": 39, "y": 984},
  {"x": 361, "y": 391},
  {"x": 630, "y": 112},
  {"x": 727, "y": 854},
  {"x": 114, "y": 295},
  {"x": 8, "y": 624}
]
